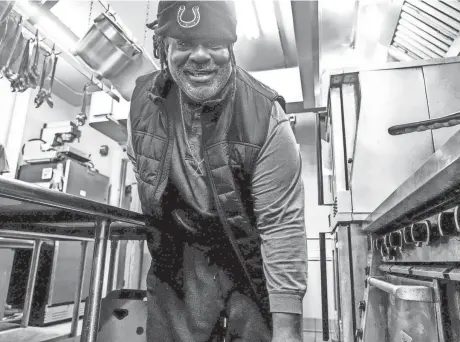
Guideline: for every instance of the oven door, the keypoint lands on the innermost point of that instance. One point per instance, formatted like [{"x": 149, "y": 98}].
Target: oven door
[{"x": 412, "y": 308}]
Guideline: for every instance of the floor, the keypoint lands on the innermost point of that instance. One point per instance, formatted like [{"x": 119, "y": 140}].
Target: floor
[
  {"x": 53, "y": 333},
  {"x": 59, "y": 332}
]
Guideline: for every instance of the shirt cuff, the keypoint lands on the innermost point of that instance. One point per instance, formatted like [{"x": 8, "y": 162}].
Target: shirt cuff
[{"x": 286, "y": 302}]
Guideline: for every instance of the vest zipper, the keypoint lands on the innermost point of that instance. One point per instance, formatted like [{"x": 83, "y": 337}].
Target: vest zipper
[{"x": 168, "y": 153}]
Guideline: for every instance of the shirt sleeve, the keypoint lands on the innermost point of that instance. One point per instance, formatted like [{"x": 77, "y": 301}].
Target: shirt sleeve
[{"x": 279, "y": 208}]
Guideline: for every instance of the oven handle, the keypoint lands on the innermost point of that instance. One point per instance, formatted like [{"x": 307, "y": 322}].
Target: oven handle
[
  {"x": 404, "y": 292},
  {"x": 420, "y": 126}
]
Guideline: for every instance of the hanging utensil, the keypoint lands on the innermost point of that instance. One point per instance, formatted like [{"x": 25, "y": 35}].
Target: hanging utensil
[
  {"x": 4, "y": 32},
  {"x": 34, "y": 73},
  {"x": 5, "y": 9},
  {"x": 40, "y": 97},
  {"x": 7, "y": 70},
  {"x": 48, "y": 99},
  {"x": 21, "y": 83},
  {"x": 82, "y": 116}
]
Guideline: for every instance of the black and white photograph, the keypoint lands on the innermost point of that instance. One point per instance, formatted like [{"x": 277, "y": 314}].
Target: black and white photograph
[{"x": 230, "y": 171}]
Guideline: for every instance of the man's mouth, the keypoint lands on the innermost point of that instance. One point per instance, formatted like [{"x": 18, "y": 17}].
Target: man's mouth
[{"x": 200, "y": 76}]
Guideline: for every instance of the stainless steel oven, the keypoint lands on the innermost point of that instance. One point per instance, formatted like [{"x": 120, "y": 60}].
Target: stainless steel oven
[
  {"x": 394, "y": 199},
  {"x": 412, "y": 307}
]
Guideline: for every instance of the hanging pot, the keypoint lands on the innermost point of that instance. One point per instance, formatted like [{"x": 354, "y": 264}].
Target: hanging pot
[{"x": 106, "y": 48}]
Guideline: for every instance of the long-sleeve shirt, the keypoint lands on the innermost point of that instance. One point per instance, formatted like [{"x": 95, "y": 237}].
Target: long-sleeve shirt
[{"x": 278, "y": 193}]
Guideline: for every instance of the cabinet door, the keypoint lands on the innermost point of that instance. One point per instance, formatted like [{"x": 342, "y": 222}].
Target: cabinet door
[
  {"x": 443, "y": 96},
  {"x": 382, "y": 162}
]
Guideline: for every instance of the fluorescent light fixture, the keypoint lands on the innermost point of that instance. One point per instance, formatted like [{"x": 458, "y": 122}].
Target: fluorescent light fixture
[
  {"x": 65, "y": 39},
  {"x": 248, "y": 24}
]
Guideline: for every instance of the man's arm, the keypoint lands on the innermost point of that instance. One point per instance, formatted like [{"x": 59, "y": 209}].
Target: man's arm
[
  {"x": 279, "y": 207},
  {"x": 129, "y": 145}
]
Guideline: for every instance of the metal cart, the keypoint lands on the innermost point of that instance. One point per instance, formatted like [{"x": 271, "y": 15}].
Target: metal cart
[{"x": 33, "y": 213}]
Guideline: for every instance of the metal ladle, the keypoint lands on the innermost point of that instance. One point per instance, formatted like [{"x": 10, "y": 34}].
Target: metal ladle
[
  {"x": 21, "y": 83},
  {"x": 48, "y": 98},
  {"x": 34, "y": 73},
  {"x": 6, "y": 70},
  {"x": 82, "y": 116},
  {"x": 40, "y": 97}
]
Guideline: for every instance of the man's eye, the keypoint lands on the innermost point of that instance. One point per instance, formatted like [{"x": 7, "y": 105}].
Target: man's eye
[
  {"x": 215, "y": 45},
  {"x": 182, "y": 44}
]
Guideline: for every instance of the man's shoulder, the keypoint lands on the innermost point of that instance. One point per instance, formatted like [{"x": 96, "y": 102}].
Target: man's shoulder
[
  {"x": 147, "y": 78},
  {"x": 257, "y": 88},
  {"x": 145, "y": 82}
]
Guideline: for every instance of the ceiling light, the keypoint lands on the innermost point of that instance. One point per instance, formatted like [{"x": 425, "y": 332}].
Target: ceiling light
[{"x": 248, "y": 23}]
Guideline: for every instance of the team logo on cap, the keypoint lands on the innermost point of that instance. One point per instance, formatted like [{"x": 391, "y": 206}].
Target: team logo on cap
[{"x": 191, "y": 23}]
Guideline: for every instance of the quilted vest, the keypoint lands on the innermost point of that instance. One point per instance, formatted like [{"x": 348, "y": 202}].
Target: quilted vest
[{"x": 233, "y": 135}]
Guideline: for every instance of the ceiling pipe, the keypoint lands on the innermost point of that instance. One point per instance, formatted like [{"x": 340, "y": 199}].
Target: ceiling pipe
[
  {"x": 306, "y": 26},
  {"x": 354, "y": 28},
  {"x": 281, "y": 32},
  {"x": 48, "y": 24}
]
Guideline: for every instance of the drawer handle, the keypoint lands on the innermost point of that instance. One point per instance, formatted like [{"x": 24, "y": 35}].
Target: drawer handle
[{"x": 404, "y": 292}]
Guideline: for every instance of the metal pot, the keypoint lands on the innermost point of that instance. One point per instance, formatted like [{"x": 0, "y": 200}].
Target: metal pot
[{"x": 106, "y": 48}]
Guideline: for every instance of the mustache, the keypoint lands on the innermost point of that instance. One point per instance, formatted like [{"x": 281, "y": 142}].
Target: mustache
[{"x": 208, "y": 67}]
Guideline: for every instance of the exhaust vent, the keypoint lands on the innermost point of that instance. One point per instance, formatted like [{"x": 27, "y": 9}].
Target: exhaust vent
[{"x": 426, "y": 30}]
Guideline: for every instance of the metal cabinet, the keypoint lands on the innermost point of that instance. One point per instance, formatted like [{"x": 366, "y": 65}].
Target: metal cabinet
[
  {"x": 443, "y": 96},
  {"x": 381, "y": 162},
  {"x": 367, "y": 165}
]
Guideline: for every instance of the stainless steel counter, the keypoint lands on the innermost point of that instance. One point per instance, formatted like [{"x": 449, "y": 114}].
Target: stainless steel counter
[
  {"x": 435, "y": 185},
  {"x": 30, "y": 212}
]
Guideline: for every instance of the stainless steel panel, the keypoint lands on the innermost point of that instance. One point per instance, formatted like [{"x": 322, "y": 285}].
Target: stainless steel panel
[
  {"x": 438, "y": 175},
  {"x": 350, "y": 99},
  {"x": 17, "y": 195},
  {"x": 410, "y": 293},
  {"x": 344, "y": 281},
  {"x": 6, "y": 264},
  {"x": 424, "y": 31},
  {"x": 427, "y": 43},
  {"x": 399, "y": 53},
  {"x": 417, "y": 42},
  {"x": 432, "y": 21},
  {"x": 411, "y": 46},
  {"x": 436, "y": 13},
  {"x": 443, "y": 96},
  {"x": 65, "y": 272},
  {"x": 411, "y": 321},
  {"x": 351, "y": 242},
  {"x": 374, "y": 318},
  {"x": 340, "y": 169},
  {"x": 452, "y": 306},
  {"x": 83, "y": 182},
  {"x": 387, "y": 98},
  {"x": 445, "y": 9}
]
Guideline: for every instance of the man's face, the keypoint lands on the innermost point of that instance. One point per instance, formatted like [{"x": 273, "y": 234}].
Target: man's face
[{"x": 200, "y": 68}]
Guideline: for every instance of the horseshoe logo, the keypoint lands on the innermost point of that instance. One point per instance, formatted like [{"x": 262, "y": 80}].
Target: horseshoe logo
[{"x": 191, "y": 23}]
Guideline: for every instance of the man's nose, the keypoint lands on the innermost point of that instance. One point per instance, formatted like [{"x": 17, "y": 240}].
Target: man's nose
[{"x": 200, "y": 55}]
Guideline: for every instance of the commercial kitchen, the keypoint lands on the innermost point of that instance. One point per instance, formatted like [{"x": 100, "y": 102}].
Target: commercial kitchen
[{"x": 372, "y": 91}]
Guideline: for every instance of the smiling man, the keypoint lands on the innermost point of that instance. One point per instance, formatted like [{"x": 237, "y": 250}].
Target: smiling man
[{"x": 219, "y": 172}]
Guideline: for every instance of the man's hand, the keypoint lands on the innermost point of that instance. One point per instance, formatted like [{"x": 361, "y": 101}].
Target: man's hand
[{"x": 287, "y": 327}]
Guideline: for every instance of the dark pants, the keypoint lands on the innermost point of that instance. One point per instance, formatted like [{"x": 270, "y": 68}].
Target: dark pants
[{"x": 208, "y": 291}]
